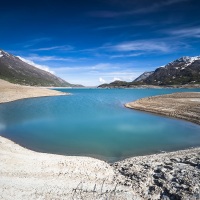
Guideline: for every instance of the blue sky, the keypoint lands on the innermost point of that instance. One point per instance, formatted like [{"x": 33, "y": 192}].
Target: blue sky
[{"x": 95, "y": 41}]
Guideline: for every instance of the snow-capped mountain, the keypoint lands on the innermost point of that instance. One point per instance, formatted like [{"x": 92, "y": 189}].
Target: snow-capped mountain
[
  {"x": 15, "y": 70},
  {"x": 185, "y": 70}
]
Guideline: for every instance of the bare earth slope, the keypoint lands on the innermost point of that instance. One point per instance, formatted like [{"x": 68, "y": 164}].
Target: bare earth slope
[
  {"x": 11, "y": 92},
  {"x": 180, "y": 105}
]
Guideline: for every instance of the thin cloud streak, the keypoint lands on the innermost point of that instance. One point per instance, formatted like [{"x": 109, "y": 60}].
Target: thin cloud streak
[
  {"x": 153, "y": 8},
  {"x": 48, "y": 58},
  {"x": 126, "y": 55},
  {"x": 63, "y": 48},
  {"x": 142, "y": 23},
  {"x": 97, "y": 67},
  {"x": 186, "y": 32},
  {"x": 37, "y": 58},
  {"x": 137, "y": 47},
  {"x": 148, "y": 46},
  {"x": 33, "y": 42}
]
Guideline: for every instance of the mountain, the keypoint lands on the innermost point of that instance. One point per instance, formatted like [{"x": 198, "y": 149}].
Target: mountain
[
  {"x": 14, "y": 70},
  {"x": 185, "y": 70},
  {"x": 143, "y": 76}
]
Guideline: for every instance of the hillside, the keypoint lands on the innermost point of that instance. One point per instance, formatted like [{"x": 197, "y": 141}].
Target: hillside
[
  {"x": 17, "y": 71},
  {"x": 183, "y": 71},
  {"x": 143, "y": 76}
]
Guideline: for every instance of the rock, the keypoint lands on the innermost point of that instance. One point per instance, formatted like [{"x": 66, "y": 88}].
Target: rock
[{"x": 162, "y": 176}]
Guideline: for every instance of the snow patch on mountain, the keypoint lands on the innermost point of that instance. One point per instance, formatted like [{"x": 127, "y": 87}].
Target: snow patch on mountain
[
  {"x": 186, "y": 59},
  {"x": 143, "y": 76},
  {"x": 43, "y": 67}
]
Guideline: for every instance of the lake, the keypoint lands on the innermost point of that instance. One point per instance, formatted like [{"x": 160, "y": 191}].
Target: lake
[{"x": 94, "y": 122}]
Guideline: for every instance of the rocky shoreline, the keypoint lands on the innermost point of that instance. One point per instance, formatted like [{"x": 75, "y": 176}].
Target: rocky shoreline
[
  {"x": 185, "y": 105},
  {"x": 166, "y": 176}
]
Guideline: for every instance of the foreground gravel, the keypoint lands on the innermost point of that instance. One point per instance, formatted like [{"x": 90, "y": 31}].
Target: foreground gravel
[{"x": 174, "y": 175}]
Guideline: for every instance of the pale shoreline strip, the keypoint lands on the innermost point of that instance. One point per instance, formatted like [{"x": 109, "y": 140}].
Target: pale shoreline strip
[
  {"x": 185, "y": 105},
  {"x": 10, "y": 92}
]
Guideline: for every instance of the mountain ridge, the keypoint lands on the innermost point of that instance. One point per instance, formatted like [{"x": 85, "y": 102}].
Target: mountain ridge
[
  {"x": 182, "y": 71},
  {"x": 15, "y": 70}
]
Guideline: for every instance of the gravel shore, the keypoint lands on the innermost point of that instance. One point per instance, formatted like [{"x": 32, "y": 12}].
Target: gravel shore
[
  {"x": 185, "y": 105},
  {"x": 174, "y": 175},
  {"x": 11, "y": 92}
]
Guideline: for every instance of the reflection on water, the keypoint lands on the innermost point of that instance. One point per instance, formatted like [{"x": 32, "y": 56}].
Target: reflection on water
[{"x": 94, "y": 122}]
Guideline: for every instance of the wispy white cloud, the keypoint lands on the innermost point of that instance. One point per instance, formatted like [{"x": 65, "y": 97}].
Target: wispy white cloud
[
  {"x": 143, "y": 10},
  {"x": 99, "y": 73},
  {"x": 43, "y": 67},
  {"x": 137, "y": 47},
  {"x": 63, "y": 48},
  {"x": 37, "y": 58},
  {"x": 116, "y": 79},
  {"x": 33, "y": 42},
  {"x": 101, "y": 80},
  {"x": 156, "y": 6},
  {"x": 96, "y": 67},
  {"x": 126, "y": 55},
  {"x": 139, "y": 23},
  {"x": 143, "y": 45},
  {"x": 186, "y": 32}
]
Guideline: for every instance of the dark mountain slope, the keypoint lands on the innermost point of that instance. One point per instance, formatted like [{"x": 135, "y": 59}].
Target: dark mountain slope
[
  {"x": 185, "y": 70},
  {"x": 17, "y": 71}
]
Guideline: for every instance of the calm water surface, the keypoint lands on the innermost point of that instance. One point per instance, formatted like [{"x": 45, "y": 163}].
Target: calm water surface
[{"x": 94, "y": 122}]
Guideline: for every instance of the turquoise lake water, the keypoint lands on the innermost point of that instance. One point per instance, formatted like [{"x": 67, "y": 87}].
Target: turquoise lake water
[{"x": 94, "y": 122}]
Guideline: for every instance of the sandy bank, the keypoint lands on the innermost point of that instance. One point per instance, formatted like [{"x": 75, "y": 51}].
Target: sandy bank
[
  {"x": 11, "y": 92},
  {"x": 184, "y": 105},
  {"x": 27, "y": 175}
]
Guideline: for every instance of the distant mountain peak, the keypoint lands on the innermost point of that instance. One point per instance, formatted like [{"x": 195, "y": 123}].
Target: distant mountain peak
[
  {"x": 2, "y": 52},
  {"x": 184, "y": 70},
  {"x": 187, "y": 59}
]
